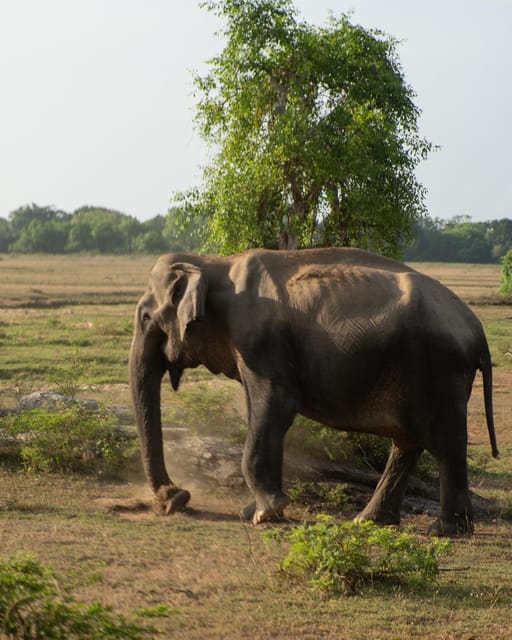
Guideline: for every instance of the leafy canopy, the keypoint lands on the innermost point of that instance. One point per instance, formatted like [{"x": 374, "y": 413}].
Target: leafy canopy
[{"x": 314, "y": 130}]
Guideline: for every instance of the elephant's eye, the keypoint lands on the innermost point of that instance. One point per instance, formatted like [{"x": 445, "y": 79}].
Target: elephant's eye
[{"x": 145, "y": 318}]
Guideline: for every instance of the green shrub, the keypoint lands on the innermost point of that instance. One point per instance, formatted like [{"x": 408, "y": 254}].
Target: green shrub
[
  {"x": 71, "y": 439},
  {"x": 371, "y": 450},
  {"x": 506, "y": 273},
  {"x": 34, "y": 605},
  {"x": 341, "y": 558},
  {"x": 312, "y": 438},
  {"x": 325, "y": 497},
  {"x": 207, "y": 409}
]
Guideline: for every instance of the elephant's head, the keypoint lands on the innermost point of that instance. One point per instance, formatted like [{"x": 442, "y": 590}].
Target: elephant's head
[{"x": 174, "y": 299}]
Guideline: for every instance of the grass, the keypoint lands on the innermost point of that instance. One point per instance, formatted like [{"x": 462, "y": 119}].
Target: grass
[
  {"x": 66, "y": 322},
  {"x": 221, "y": 580},
  {"x": 85, "y": 342}
]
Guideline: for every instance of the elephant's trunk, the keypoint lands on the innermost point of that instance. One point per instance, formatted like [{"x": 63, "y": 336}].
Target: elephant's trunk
[{"x": 147, "y": 367}]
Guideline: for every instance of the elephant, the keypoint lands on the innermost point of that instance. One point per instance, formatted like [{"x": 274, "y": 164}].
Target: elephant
[{"x": 353, "y": 340}]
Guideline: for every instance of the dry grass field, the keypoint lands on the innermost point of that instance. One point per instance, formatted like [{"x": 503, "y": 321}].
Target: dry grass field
[{"x": 67, "y": 321}]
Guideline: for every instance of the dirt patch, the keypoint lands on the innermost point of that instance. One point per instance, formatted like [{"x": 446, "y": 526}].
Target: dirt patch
[{"x": 125, "y": 505}]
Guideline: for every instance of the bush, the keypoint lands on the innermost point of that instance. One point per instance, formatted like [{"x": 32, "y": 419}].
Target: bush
[
  {"x": 326, "y": 497},
  {"x": 314, "y": 439},
  {"x": 371, "y": 450},
  {"x": 506, "y": 273},
  {"x": 341, "y": 558},
  {"x": 207, "y": 410},
  {"x": 72, "y": 439},
  {"x": 34, "y": 605}
]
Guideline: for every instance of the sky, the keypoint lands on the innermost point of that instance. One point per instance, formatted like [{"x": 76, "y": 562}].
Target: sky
[{"x": 97, "y": 106}]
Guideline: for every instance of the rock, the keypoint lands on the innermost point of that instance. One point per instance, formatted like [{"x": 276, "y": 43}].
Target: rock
[
  {"x": 51, "y": 401},
  {"x": 206, "y": 458}
]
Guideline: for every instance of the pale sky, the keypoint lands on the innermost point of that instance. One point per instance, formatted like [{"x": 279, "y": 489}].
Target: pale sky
[{"x": 96, "y": 102}]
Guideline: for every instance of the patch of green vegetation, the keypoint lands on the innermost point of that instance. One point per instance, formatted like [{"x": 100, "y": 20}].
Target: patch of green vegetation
[
  {"x": 159, "y": 611},
  {"x": 207, "y": 409},
  {"x": 331, "y": 497},
  {"x": 313, "y": 438},
  {"x": 498, "y": 330},
  {"x": 308, "y": 436},
  {"x": 506, "y": 273},
  {"x": 35, "y": 604},
  {"x": 340, "y": 559},
  {"x": 71, "y": 439},
  {"x": 427, "y": 467},
  {"x": 372, "y": 450},
  {"x": 97, "y": 338}
]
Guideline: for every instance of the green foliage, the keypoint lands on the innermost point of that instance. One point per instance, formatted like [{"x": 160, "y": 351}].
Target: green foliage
[
  {"x": 65, "y": 377},
  {"x": 35, "y": 605},
  {"x": 6, "y": 235},
  {"x": 159, "y": 611},
  {"x": 371, "y": 450},
  {"x": 313, "y": 438},
  {"x": 71, "y": 439},
  {"x": 506, "y": 273},
  {"x": 315, "y": 131},
  {"x": 33, "y": 229},
  {"x": 38, "y": 229},
  {"x": 460, "y": 240},
  {"x": 319, "y": 496},
  {"x": 204, "y": 408},
  {"x": 99, "y": 230},
  {"x": 342, "y": 558}
]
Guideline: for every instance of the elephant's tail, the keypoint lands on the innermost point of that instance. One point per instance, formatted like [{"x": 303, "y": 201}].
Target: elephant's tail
[{"x": 485, "y": 367}]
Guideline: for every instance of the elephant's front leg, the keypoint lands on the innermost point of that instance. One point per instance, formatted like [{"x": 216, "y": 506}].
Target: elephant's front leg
[
  {"x": 146, "y": 371},
  {"x": 271, "y": 412}
]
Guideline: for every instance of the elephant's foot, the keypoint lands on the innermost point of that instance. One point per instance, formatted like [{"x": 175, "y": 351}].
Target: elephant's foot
[
  {"x": 169, "y": 499},
  {"x": 271, "y": 508},
  {"x": 378, "y": 515},
  {"x": 452, "y": 527}
]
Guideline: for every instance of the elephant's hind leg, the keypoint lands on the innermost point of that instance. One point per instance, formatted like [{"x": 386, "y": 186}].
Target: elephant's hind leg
[
  {"x": 386, "y": 502},
  {"x": 449, "y": 447},
  {"x": 456, "y": 516}
]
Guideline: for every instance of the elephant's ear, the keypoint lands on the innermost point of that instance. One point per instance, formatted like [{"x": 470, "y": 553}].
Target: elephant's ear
[{"x": 189, "y": 294}]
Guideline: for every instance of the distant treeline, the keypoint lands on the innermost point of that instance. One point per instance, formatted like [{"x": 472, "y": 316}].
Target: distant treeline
[
  {"x": 35, "y": 229},
  {"x": 460, "y": 240}
]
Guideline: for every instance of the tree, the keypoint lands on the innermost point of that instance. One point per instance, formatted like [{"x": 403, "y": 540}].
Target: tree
[
  {"x": 182, "y": 230},
  {"x": 35, "y": 229},
  {"x": 109, "y": 229},
  {"x": 315, "y": 131},
  {"x": 500, "y": 235},
  {"x": 21, "y": 218},
  {"x": 80, "y": 235},
  {"x": 460, "y": 240},
  {"x": 151, "y": 237},
  {"x": 471, "y": 241},
  {"x": 506, "y": 273},
  {"x": 6, "y": 235}
]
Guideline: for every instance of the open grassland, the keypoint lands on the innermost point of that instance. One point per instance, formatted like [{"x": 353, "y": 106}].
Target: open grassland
[{"x": 65, "y": 323}]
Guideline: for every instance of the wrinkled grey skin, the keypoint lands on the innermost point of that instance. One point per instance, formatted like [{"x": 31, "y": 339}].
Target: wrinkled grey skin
[{"x": 353, "y": 340}]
